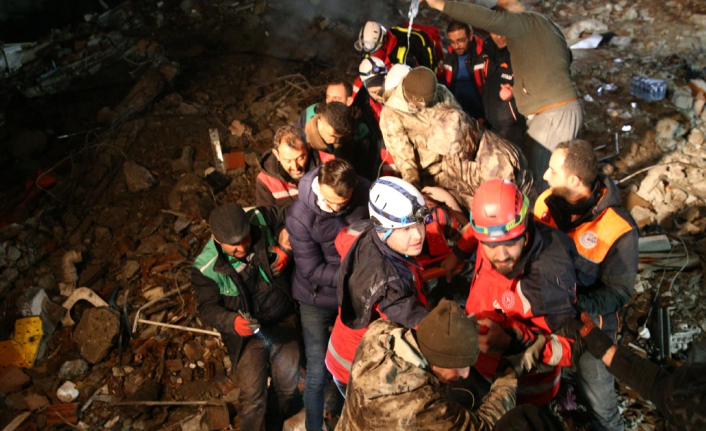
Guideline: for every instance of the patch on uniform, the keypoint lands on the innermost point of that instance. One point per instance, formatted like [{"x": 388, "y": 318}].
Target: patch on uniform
[
  {"x": 588, "y": 240},
  {"x": 545, "y": 216},
  {"x": 508, "y": 300}
]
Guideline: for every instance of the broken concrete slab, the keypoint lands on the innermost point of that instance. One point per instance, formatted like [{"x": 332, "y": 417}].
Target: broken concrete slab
[
  {"x": 138, "y": 177},
  {"x": 12, "y": 379},
  {"x": 682, "y": 98},
  {"x": 130, "y": 269},
  {"x": 82, "y": 293},
  {"x": 151, "y": 244},
  {"x": 96, "y": 333},
  {"x": 191, "y": 195}
]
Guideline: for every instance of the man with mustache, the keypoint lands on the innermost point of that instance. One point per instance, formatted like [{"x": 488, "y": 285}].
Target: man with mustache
[{"x": 524, "y": 284}]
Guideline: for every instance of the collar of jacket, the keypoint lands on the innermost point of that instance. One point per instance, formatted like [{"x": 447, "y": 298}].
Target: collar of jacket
[
  {"x": 314, "y": 137},
  {"x": 309, "y": 198},
  {"x": 271, "y": 166},
  {"x": 223, "y": 265},
  {"x": 610, "y": 197},
  {"x": 530, "y": 253},
  {"x": 390, "y": 253}
]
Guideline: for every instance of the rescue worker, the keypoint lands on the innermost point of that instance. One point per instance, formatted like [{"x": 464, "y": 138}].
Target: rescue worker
[
  {"x": 586, "y": 206},
  {"x": 391, "y": 46},
  {"x": 242, "y": 283},
  {"x": 524, "y": 281},
  {"x": 336, "y": 91},
  {"x": 333, "y": 130},
  {"x": 460, "y": 71},
  {"x": 679, "y": 395},
  {"x": 472, "y": 155},
  {"x": 498, "y": 101},
  {"x": 405, "y": 124},
  {"x": 331, "y": 197},
  {"x": 399, "y": 375},
  {"x": 541, "y": 59},
  {"x": 380, "y": 276},
  {"x": 283, "y": 166}
]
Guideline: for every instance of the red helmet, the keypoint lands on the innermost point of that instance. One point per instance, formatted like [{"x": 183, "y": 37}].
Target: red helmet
[{"x": 499, "y": 211}]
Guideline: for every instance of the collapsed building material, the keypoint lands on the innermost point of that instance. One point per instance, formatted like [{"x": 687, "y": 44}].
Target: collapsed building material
[{"x": 82, "y": 293}]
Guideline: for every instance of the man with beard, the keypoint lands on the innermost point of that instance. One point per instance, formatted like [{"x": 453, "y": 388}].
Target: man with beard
[
  {"x": 586, "y": 205},
  {"x": 524, "y": 283},
  {"x": 280, "y": 169}
]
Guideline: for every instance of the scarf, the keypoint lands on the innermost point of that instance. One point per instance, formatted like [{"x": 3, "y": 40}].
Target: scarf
[{"x": 562, "y": 211}]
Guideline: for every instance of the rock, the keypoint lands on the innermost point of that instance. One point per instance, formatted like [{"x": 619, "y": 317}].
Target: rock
[
  {"x": 699, "y": 102},
  {"x": 682, "y": 98},
  {"x": 91, "y": 274},
  {"x": 67, "y": 392},
  {"x": 698, "y": 19},
  {"x": 46, "y": 281},
  {"x": 192, "y": 196},
  {"x": 96, "y": 333},
  {"x": 12, "y": 379},
  {"x": 71, "y": 370},
  {"x": 252, "y": 159},
  {"x": 585, "y": 26},
  {"x": 296, "y": 422},
  {"x": 113, "y": 218},
  {"x": 668, "y": 128},
  {"x": 10, "y": 231},
  {"x": 630, "y": 14},
  {"x": 11, "y": 274},
  {"x": 696, "y": 137},
  {"x": 137, "y": 177},
  {"x": 130, "y": 269},
  {"x": 187, "y": 109},
  {"x": 620, "y": 41},
  {"x": 186, "y": 162},
  {"x": 237, "y": 128},
  {"x": 13, "y": 253},
  {"x": 642, "y": 216},
  {"x": 37, "y": 401},
  {"x": 151, "y": 244},
  {"x": 193, "y": 350},
  {"x": 197, "y": 423}
]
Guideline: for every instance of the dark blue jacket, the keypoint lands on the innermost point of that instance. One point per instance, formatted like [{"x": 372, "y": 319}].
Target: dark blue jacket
[{"x": 312, "y": 234}]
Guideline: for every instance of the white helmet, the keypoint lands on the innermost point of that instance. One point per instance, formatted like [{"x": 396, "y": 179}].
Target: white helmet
[
  {"x": 395, "y": 76},
  {"x": 371, "y": 66},
  {"x": 370, "y": 37},
  {"x": 395, "y": 203}
]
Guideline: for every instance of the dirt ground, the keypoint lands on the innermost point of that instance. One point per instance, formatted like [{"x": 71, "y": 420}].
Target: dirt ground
[{"x": 193, "y": 65}]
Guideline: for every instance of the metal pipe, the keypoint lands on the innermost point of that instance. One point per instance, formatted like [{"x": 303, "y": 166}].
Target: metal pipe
[
  {"x": 154, "y": 301},
  {"x": 183, "y": 328}
]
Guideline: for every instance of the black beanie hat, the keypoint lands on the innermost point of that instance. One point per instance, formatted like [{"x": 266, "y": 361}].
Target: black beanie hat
[
  {"x": 447, "y": 338},
  {"x": 229, "y": 224},
  {"x": 420, "y": 85}
]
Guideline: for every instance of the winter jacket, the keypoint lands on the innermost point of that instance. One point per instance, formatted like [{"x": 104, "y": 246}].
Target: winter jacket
[
  {"x": 359, "y": 150},
  {"x": 606, "y": 240},
  {"x": 223, "y": 287},
  {"x": 538, "y": 294},
  {"x": 374, "y": 282},
  {"x": 472, "y": 155},
  {"x": 404, "y": 130},
  {"x": 496, "y": 68},
  {"x": 541, "y": 59},
  {"x": 473, "y": 65},
  {"x": 274, "y": 186},
  {"x": 392, "y": 388},
  {"x": 312, "y": 233}
]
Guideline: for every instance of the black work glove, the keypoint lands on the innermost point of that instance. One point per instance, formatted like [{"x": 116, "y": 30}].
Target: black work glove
[{"x": 586, "y": 336}]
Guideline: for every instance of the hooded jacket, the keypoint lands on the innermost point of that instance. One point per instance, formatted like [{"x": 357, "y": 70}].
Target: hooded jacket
[
  {"x": 472, "y": 155},
  {"x": 274, "y": 186},
  {"x": 392, "y": 388},
  {"x": 405, "y": 129},
  {"x": 607, "y": 243},
  {"x": 312, "y": 233},
  {"x": 224, "y": 288}
]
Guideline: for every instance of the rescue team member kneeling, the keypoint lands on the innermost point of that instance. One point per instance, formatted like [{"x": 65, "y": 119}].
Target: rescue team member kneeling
[
  {"x": 524, "y": 282},
  {"x": 243, "y": 289},
  {"x": 398, "y": 376},
  {"x": 379, "y": 275}
]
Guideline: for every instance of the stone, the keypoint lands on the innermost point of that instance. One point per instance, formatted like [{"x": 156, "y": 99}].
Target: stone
[
  {"x": 193, "y": 350},
  {"x": 71, "y": 370},
  {"x": 642, "y": 216},
  {"x": 12, "y": 379},
  {"x": 187, "y": 109},
  {"x": 10, "y": 274},
  {"x": 46, "y": 281},
  {"x": 10, "y": 231},
  {"x": 197, "y": 423},
  {"x": 113, "y": 218},
  {"x": 91, "y": 274},
  {"x": 252, "y": 159},
  {"x": 137, "y": 177},
  {"x": 682, "y": 98},
  {"x": 296, "y": 422},
  {"x": 151, "y": 244},
  {"x": 36, "y": 401},
  {"x": 668, "y": 128},
  {"x": 186, "y": 162},
  {"x": 67, "y": 392},
  {"x": 696, "y": 137},
  {"x": 130, "y": 269},
  {"x": 13, "y": 253},
  {"x": 584, "y": 26},
  {"x": 96, "y": 333},
  {"x": 192, "y": 196}
]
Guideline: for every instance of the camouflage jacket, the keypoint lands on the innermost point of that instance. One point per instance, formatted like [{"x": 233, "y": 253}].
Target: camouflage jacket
[
  {"x": 472, "y": 155},
  {"x": 404, "y": 131},
  {"x": 390, "y": 388}
]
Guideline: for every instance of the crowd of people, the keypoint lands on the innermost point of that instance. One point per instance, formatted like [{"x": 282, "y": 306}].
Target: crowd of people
[{"x": 436, "y": 242}]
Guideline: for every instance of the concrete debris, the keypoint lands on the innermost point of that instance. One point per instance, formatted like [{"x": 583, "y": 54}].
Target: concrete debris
[
  {"x": 67, "y": 392},
  {"x": 186, "y": 162},
  {"x": 130, "y": 269},
  {"x": 71, "y": 370},
  {"x": 12, "y": 379},
  {"x": 585, "y": 26},
  {"x": 82, "y": 293},
  {"x": 138, "y": 177},
  {"x": 96, "y": 333}
]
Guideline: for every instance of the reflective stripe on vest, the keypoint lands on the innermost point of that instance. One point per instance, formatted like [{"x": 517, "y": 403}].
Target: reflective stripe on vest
[
  {"x": 347, "y": 365},
  {"x": 325, "y": 157},
  {"x": 279, "y": 188}
]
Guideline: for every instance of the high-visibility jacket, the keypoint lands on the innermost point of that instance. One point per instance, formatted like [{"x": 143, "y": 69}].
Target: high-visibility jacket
[
  {"x": 274, "y": 187},
  {"x": 537, "y": 295},
  {"x": 474, "y": 64},
  {"x": 606, "y": 238}
]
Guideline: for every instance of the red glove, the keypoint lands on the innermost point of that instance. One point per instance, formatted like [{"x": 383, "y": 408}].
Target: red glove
[
  {"x": 281, "y": 258},
  {"x": 241, "y": 326}
]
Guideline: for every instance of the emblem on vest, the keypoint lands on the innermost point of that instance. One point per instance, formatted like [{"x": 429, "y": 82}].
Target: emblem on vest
[
  {"x": 508, "y": 300},
  {"x": 506, "y": 76},
  {"x": 588, "y": 240}
]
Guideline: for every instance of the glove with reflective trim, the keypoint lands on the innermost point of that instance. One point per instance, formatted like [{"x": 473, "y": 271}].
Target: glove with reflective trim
[{"x": 280, "y": 258}]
